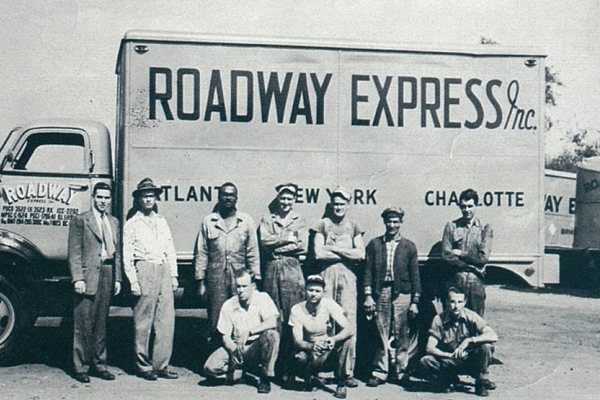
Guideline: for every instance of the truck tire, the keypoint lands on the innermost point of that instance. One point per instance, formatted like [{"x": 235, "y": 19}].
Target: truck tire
[{"x": 14, "y": 321}]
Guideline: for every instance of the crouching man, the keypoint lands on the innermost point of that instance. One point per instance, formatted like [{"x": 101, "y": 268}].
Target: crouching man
[
  {"x": 248, "y": 325},
  {"x": 460, "y": 342},
  {"x": 321, "y": 337}
]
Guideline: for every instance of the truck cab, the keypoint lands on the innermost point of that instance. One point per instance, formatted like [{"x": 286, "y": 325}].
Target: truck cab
[{"x": 47, "y": 171}]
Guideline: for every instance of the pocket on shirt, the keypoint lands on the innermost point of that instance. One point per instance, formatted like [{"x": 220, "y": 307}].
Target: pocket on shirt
[{"x": 213, "y": 233}]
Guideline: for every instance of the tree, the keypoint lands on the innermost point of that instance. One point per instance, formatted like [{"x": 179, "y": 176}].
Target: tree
[{"x": 566, "y": 144}]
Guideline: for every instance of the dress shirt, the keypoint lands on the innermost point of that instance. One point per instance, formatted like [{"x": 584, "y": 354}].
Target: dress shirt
[
  {"x": 99, "y": 217},
  {"x": 147, "y": 239}
]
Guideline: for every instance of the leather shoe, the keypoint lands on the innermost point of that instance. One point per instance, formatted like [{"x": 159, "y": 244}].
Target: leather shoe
[
  {"x": 82, "y": 377},
  {"x": 351, "y": 382},
  {"x": 340, "y": 392},
  {"x": 374, "y": 382},
  {"x": 104, "y": 375},
  {"x": 264, "y": 386},
  {"x": 166, "y": 374},
  {"x": 480, "y": 389},
  {"x": 489, "y": 385},
  {"x": 148, "y": 375}
]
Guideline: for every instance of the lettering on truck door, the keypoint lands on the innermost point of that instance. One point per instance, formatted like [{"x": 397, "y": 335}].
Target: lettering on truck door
[{"x": 45, "y": 183}]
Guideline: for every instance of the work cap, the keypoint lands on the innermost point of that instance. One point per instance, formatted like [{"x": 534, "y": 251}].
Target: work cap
[
  {"x": 146, "y": 184},
  {"x": 315, "y": 280},
  {"x": 342, "y": 192},
  {"x": 393, "y": 211},
  {"x": 287, "y": 187}
]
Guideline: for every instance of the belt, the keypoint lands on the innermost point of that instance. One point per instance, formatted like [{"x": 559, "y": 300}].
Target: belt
[{"x": 280, "y": 256}]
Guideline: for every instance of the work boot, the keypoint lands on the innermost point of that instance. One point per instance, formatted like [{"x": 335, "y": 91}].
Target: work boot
[
  {"x": 480, "y": 389},
  {"x": 374, "y": 382},
  {"x": 340, "y": 391},
  {"x": 264, "y": 386},
  {"x": 489, "y": 385},
  {"x": 351, "y": 382}
]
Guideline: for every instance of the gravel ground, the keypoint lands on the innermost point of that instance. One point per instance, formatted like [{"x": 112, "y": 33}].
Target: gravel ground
[{"x": 549, "y": 348}]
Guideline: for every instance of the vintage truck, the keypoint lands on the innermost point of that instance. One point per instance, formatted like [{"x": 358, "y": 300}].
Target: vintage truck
[{"x": 397, "y": 125}]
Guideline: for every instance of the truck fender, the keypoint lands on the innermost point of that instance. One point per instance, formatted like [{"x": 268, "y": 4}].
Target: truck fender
[{"x": 18, "y": 249}]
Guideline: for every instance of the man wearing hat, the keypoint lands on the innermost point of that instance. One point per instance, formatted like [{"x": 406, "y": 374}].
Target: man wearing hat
[
  {"x": 392, "y": 288},
  {"x": 150, "y": 264},
  {"x": 95, "y": 264},
  {"x": 338, "y": 248},
  {"x": 283, "y": 239},
  {"x": 226, "y": 243}
]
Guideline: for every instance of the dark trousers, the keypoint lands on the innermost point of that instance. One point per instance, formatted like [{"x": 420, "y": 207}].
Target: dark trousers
[
  {"x": 90, "y": 317},
  {"x": 338, "y": 359},
  {"x": 474, "y": 289},
  {"x": 445, "y": 370}
]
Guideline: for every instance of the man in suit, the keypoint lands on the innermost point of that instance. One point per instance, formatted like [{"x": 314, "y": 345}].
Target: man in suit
[
  {"x": 392, "y": 288},
  {"x": 95, "y": 264}
]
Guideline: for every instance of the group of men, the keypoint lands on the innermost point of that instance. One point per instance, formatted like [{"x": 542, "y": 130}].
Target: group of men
[{"x": 310, "y": 323}]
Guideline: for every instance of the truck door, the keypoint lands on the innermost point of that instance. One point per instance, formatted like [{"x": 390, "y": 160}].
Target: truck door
[{"x": 45, "y": 182}]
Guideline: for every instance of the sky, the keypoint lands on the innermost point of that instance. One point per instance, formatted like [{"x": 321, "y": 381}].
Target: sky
[{"x": 58, "y": 57}]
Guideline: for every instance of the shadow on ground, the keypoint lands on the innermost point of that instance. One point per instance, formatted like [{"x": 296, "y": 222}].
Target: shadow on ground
[{"x": 52, "y": 346}]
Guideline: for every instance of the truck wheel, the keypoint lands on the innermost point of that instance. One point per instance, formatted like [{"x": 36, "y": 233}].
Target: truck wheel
[{"x": 13, "y": 322}]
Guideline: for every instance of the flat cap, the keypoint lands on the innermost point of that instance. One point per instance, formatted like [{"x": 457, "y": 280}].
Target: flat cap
[
  {"x": 288, "y": 187},
  {"x": 393, "y": 210},
  {"x": 342, "y": 192}
]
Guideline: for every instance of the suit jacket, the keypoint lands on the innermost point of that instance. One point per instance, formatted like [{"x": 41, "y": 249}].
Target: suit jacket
[
  {"x": 85, "y": 250},
  {"x": 406, "y": 270}
]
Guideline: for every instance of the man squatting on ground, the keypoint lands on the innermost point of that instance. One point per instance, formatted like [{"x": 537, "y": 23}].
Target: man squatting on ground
[
  {"x": 226, "y": 243},
  {"x": 460, "y": 342},
  {"x": 392, "y": 288},
  {"x": 150, "y": 264},
  {"x": 248, "y": 325},
  {"x": 338, "y": 247},
  {"x": 95, "y": 264},
  {"x": 318, "y": 348},
  {"x": 466, "y": 247}
]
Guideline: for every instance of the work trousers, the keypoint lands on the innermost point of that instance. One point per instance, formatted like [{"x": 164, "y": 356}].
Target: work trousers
[
  {"x": 310, "y": 364},
  {"x": 284, "y": 282},
  {"x": 261, "y": 354},
  {"x": 474, "y": 289},
  {"x": 446, "y": 370},
  {"x": 154, "y": 310},
  {"x": 340, "y": 285},
  {"x": 392, "y": 320},
  {"x": 90, "y": 317}
]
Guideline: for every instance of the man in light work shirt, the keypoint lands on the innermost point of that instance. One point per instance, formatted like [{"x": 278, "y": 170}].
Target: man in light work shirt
[
  {"x": 95, "y": 264},
  {"x": 150, "y": 264},
  {"x": 248, "y": 325},
  {"x": 460, "y": 342},
  {"x": 392, "y": 288},
  {"x": 466, "y": 247},
  {"x": 226, "y": 242}
]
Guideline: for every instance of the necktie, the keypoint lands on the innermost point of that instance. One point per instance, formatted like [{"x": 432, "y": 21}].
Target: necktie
[{"x": 107, "y": 238}]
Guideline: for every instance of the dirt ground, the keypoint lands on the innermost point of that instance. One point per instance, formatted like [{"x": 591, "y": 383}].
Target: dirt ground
[{"x": 549, "y": 348}]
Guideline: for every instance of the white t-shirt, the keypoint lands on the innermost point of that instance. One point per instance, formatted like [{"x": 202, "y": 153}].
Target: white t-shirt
[{"x": 319, "y": 326}]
